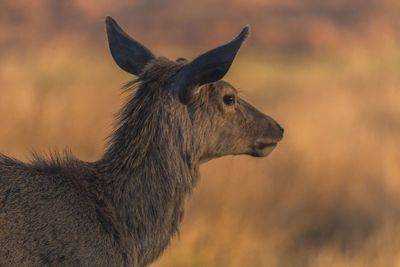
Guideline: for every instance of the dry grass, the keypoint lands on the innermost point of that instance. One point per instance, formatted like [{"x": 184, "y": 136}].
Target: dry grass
[{"x": 328, "y": 196}]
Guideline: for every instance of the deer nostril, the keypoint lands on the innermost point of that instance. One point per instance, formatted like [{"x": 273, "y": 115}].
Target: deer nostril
[{"x": 282, "y": 129}]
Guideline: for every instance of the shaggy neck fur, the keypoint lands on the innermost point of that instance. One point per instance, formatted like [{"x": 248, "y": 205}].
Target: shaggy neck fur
[{"x": 150, "y": 166}]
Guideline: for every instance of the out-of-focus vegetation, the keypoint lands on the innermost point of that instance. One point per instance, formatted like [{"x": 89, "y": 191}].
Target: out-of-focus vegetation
[{"x": 327, "y": 70}]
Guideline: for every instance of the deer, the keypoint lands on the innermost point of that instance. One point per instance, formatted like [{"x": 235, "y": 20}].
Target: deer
[{"x": 124, "y": 208}]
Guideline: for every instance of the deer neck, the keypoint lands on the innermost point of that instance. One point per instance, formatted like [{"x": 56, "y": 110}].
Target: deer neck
[{"x": 148, "y": 173}]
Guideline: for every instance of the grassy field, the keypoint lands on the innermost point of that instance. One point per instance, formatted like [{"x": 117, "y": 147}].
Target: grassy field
[
  {"x": 328, "y": 71},
  {"x": 328, "y": 196}
]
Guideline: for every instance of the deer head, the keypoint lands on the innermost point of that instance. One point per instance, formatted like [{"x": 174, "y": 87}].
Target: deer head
[{"x": 221, "y": 123}]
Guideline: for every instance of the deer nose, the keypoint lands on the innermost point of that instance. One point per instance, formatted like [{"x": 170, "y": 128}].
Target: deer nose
[{"x": 279, "y": 130}]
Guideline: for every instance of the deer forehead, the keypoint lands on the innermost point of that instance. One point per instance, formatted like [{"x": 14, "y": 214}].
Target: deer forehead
[{"x": 161, "y": 69}]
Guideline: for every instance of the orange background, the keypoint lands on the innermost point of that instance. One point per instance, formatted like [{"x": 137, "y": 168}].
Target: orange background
[{"x": 327, "y": 70}]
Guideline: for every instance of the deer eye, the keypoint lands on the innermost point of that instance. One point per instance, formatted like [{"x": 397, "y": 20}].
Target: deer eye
[{"x": 229, "y": 100}]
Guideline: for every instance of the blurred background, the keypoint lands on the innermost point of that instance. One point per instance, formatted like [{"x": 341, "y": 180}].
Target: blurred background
[{"x": 327, "y": 70}]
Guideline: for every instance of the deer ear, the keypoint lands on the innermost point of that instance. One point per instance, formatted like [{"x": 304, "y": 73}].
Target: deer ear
[
  {"x": 129, "y": 54},
  {"x": 208, "y": 67}
]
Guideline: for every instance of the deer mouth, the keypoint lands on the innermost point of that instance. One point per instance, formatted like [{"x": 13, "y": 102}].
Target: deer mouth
[{"x": 262, "y": 149}]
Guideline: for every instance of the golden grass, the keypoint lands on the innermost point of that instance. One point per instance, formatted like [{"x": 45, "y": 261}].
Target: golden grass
[{"x": 328, "y": 196}]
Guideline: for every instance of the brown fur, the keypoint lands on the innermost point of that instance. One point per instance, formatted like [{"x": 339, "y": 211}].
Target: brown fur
[{"x": 123, "y": 209}]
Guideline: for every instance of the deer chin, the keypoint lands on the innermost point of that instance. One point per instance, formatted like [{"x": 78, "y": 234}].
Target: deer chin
[{"x": 262, "y": 149}]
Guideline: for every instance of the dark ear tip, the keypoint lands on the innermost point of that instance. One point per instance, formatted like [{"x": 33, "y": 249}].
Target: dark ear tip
[
  {"x": 112, "y": 26},
  {"x": 109, "y": 20},
  {"x": 245, "y": 32}
]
